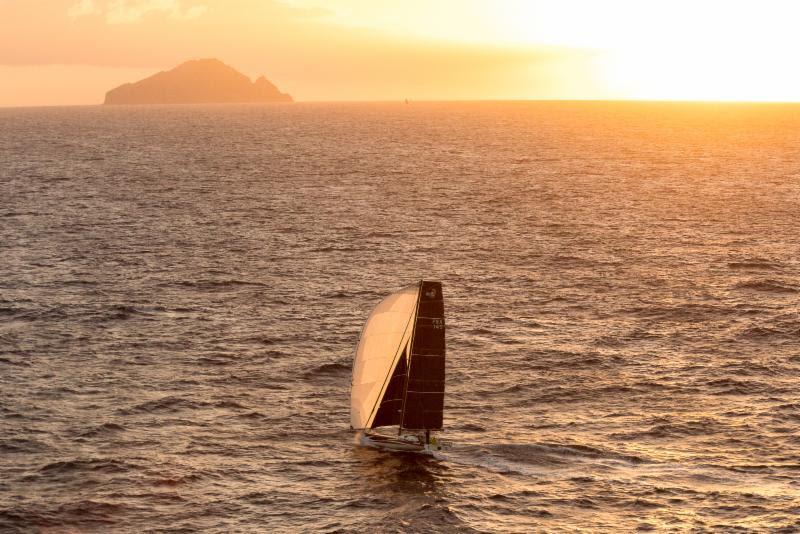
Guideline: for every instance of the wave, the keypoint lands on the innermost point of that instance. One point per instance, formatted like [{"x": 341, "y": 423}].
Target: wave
[
  {"x": 328, "y": 369},
  {"x": 767, "y": 286},
  {"x": 791, "y": 410},
  {"x": 218, "y": 284},
  {"x": 516, "y": 388},
  {"x": 434, "y": 516},
  {"x": 672, "y": 430},
  {"x": 221, "y": 360},
  {"x": 126, "y": 311},
  {"x": 21, "y": 445},
  {"x": 729, "y": 386},
  {"x": 338, "y": 295},
  {"x": 229, "y": 404},
  {"x": 351, "y": 293},
  {"x": 70, "y": 517},
  {"x": 10, "y": 311},
  {"x": 82, "y": 466},
  {"x": 688, "y": 312},
  {"x": 54, "y": 314},
  {"x": 763, "y": 333},
  {"x": 754, "y": 265},
  {"x": 172, "y": 404},
  {"x": 556, "y": 453},
  {"x": 14, "y": 362},
  {"x": 337, "y": 249},
  {"x": 469, "y": 427},
  {"x": 103, "y": 430},
  {"x": 77, "y": 282},
  {"x": 566, "y": 261},
  {"x": 176, "y": 480},
  {"x": 381, "y": 235},
  {"x": 263, "y": 340},
  {"x": 166, "y": 404},
  {"x": 254, "y": 415},
  {"x": 91, "y": 511}
]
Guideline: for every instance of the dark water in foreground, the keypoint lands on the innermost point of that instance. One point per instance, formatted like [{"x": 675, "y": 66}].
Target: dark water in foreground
[{"x": 182, "y": 288}]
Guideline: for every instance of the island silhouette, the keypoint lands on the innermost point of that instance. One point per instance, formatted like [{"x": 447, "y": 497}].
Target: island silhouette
[{"x": 199, "y": 81}]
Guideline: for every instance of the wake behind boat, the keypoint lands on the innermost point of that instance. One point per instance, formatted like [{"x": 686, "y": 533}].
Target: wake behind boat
[{"x": 399, "y": 371}]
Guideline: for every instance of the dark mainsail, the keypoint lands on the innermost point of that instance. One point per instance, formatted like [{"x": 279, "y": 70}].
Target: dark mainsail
[{"x": 424, "y": 393}]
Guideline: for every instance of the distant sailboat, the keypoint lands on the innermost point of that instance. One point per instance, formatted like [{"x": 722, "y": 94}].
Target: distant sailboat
[{"x": 398, "y": 371}]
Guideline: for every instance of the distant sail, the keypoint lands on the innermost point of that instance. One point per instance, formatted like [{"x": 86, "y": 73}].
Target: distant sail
[
  {"x": 398, "y": 372},
  {"x": 386, "y": 333}
]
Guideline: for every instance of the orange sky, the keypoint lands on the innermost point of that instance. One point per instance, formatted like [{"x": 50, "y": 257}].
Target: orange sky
[{"x": 72, "y": 51}]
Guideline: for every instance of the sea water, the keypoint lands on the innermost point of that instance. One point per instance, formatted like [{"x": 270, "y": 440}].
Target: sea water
[{"x": 182, "y": 290}]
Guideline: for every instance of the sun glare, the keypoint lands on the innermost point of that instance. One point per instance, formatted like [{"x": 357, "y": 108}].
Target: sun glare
[
  {"x": 697, "y": 75},
  {"x": 645, "y": 50}
]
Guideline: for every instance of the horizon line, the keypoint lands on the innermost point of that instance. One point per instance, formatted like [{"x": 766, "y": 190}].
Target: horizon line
[{"x": 421, "y": 101}]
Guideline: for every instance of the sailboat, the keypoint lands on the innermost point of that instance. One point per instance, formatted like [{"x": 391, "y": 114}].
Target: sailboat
[{"x": 398, "y": 371}]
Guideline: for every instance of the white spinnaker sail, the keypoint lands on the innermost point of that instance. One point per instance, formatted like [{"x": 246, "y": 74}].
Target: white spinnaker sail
[{"x": 387, "y": 330}]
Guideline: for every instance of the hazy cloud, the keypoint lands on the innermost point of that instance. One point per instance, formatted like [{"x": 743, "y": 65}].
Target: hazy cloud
[
  {"x": 84, "y": 7},
  {"x": 302, "y": 48},
  {"x": 133, "y": 11},
  {"x": 195, "y": 11}
]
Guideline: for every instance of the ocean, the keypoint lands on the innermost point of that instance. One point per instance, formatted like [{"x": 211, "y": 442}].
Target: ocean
[{"x": 182, "y": 290}]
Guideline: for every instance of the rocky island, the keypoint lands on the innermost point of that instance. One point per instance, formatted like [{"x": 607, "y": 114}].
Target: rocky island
[{"x": 200, "y": 81}]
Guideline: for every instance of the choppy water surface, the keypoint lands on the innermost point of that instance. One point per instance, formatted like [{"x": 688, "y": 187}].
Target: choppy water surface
[{"x": 182, "y": 288}]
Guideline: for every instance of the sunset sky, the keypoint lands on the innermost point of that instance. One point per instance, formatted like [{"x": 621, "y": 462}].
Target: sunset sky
[{"x": 72, "y": 51}]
